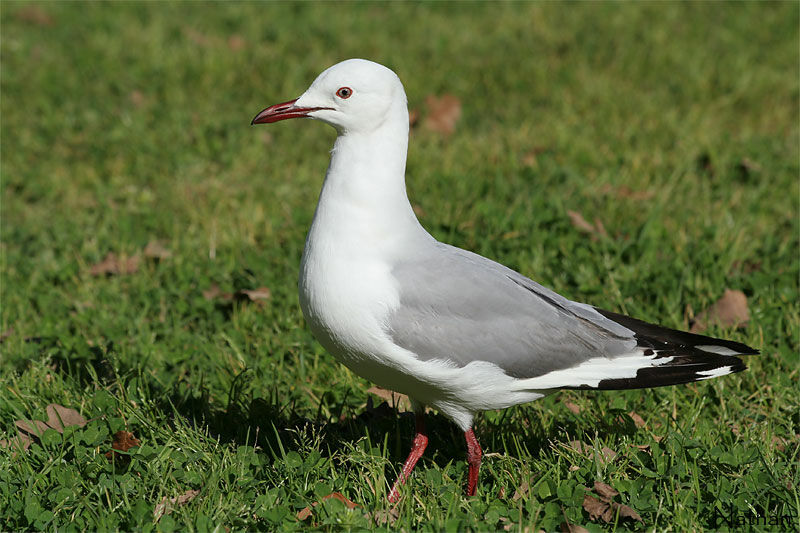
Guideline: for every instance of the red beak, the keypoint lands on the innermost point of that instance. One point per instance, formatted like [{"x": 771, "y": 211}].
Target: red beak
[{"x": 283, "y": 111}]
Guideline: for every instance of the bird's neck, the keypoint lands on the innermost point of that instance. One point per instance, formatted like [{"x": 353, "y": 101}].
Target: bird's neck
[{"x": 363, "y": 200}]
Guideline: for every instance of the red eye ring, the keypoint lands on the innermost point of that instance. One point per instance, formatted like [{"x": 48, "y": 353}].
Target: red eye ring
[{"x": 344, "y": 93}]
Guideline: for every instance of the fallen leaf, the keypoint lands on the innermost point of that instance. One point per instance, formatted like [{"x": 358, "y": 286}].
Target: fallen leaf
[
  {"x": 729, "y": 311},
  {"x": 123, "y": 441},
  {"x": 579, "y": 447},
  {"x": 594, "y": 507},
  {"x": 305, "y": 512},
  {"x": 395, "y": 399},
  {"x": 214, "y": 291},
  {"x": 566, "y": 527},
  {"x": 604, "y": 508},
  {"x": 156, "y": 250},
  {"x": 384, "y": 516},
  {"x": 572, "y": 407},
  {"x": 606, "y": 492},
  {"x": 21, "y": 442},
  {"x": 168, "y": 504},
  {"x": 638, "y": 420},
  {"x": 256, "y": 295},
  {"x": 443, "y": 113},
  {"x": 34, "y": 428},
  {"x": 521, "y": 491},
  {"x": 607, "y": 454},
  {"x": 581, "y": 224},
  {"x": 115, "y": 265},
  {"x": 60, "y": 417},
  {"x": 35, "y": 15},
  {"x": 627, "y": 512}
]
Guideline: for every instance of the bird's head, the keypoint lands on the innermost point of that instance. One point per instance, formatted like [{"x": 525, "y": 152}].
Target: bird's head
[{"x": 354, "y": 95}]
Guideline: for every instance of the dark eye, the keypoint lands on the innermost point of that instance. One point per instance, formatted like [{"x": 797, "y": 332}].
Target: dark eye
[{"x": 344, "y": 93}]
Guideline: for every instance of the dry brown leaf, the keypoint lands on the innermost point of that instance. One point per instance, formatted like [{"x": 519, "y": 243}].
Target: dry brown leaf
[
  {"x": 168, "y": 504},
  {"x": 305, "y": 512},
  {"x": 579, "y": 447},
  {"x": 384, "y": 516},
  {"x": 521, "y": 491},
  {"x": 443, "y": 113},
  {"x": 35, "y": 15},
  {"x": 779, "y": 443},
  {"x": 115, "y": 265},
  {"x": 59, "y": 417},
  {"x": 256, "y": 295},
  {"x": 638, "y": 420},
  {"x": 576, "y": 409},
  {"x": 594, "y": 507},
  {"x": 604, "y": 508},
  {"x": 123, "y": 441},
  {"x": 607, "y": 455},
  {"x": 394, "y": 399},
  {"x": 729, "y": 311},
  {"x": 20, "y": 443},
  {"x": 214, "y": 291},
  {"x": 605, "y": 491},
  {"x": 566, "y": 527},
  {"x": 581, "y": 224},
  {"x": 156, "y": 250},
  {"x": 34, "y": 428},
  {"x": 627, "y": 512}
]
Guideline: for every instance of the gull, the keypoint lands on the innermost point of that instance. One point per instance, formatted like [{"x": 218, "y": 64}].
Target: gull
[{"x": 449, "y": 328}]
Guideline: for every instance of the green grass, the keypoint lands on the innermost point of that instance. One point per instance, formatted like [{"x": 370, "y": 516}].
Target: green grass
[{"x": 127, "y": 123}]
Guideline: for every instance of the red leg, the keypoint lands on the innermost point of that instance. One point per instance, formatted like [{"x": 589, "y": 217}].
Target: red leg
[
  {"x": 474, "y": 453},
  {"x": 417, "y": 449}
]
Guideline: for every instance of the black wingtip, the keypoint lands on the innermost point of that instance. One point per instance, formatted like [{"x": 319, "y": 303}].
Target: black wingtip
[{"x": 658, "y": 337}]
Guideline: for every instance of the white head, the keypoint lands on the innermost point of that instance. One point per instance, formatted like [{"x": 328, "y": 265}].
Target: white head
[{"x": 355, "y": 95}]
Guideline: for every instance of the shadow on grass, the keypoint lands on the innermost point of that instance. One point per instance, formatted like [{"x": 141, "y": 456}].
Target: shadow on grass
[{"x": 274, "y": 424}]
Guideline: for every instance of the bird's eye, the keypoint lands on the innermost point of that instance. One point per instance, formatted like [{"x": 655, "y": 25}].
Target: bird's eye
[{"x": 344, "y": 93}]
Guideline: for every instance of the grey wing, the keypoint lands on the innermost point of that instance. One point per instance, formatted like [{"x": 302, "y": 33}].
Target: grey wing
[{"x": 460, "y": 307}]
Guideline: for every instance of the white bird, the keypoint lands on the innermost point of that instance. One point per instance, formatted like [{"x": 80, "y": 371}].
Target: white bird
[{"x": 451, "y": 329}]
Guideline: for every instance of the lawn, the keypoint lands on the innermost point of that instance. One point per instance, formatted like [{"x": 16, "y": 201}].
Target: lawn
[{"x": 151, "y": 240}]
